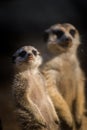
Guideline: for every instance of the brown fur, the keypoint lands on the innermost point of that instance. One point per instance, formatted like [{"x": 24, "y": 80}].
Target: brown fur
[
  {"x": 64, "y": 77},
  {"x": 34, "y": 107}
]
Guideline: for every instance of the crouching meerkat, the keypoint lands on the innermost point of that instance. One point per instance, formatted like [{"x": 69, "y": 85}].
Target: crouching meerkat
[
  {"x": 65, "y": 80},
  {"x": 34, "y": 108}
]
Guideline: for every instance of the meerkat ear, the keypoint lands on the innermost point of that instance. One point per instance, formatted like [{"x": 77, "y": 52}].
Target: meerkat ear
[
  {"x": 46, "y": 35},
  {"x": 39, "y": 52}
]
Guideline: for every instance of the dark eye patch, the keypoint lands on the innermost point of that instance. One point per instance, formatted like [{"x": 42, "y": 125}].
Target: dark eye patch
[
  {"x": 59, "y": 33},
  {"x": 34, "y": 52},
  {"x": 72, "y": 32},
  {"x": 22, "y": 54}
]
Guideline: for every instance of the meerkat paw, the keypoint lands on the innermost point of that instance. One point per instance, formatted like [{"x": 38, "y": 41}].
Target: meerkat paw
[
  {"x": 57, "y": 122},
  {"x": 40, "y": 120},
  {"x": 78, "y": 121},
  {"x": 56, "y": 119},
  {"x": 42, "y": 123},
  {"x": 70, "y": 123},
  {"x": 67, "y": 123}
]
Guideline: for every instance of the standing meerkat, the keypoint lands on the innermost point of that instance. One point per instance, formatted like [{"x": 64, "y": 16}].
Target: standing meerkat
[
  {"x": 34, "y": 107},
  {"x": 65, "y": 79}
]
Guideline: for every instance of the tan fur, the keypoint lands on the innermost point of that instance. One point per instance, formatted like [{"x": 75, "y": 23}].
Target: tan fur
[
  {"x": 64, "y": 77},
  {"x": 34, "y": 108}
]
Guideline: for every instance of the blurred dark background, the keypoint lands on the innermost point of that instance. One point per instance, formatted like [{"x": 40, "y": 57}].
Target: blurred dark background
[
  {"x": 19, "y": 18},
  {"x": 22, "y": 22}
]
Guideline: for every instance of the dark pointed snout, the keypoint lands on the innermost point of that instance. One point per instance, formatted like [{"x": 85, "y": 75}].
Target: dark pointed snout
[
  {"x": 29, "y": 54},
  {"x": 67, "y": 39}
]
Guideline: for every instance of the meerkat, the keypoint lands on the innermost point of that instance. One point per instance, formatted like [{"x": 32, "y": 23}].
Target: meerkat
[
  {"x": 65, "y": 80},
  {"x": 34, "y": 108}
]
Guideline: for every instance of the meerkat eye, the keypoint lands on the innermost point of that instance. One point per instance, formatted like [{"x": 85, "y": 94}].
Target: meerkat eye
[
  {"x": 59, "y": 33},
  {"x": 22, "y": 54},
  {"x": 34, "y": 52},
  {"x": 72, "y": 32}
]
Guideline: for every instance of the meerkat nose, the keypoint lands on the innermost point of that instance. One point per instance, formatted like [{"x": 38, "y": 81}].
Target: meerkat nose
[
  {"x": 67, "y": 39},
  {"x": 29, "y": 54}
]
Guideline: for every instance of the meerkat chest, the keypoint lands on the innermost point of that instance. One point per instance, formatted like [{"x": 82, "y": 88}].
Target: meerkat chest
[
  {"x": 68, "y": 79},
  {"x": 36, "y": 88}
]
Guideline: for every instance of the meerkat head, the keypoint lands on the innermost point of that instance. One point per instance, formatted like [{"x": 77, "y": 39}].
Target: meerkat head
[
  {"x": 27, "y": 57},
  {"x": 61, "y": 37}
]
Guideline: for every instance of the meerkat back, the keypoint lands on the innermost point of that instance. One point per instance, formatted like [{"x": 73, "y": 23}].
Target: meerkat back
[
  {"x": 34, "y": 107},
  {"x": 63, "y": 70}
]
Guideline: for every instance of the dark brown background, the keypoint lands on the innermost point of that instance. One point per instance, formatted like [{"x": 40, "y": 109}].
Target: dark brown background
[{"x": 22, "y": 22}]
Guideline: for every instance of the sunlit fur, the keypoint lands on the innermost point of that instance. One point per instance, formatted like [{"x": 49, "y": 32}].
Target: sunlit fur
[
  {"x": 64, "y": 77},
  {"x": 33, "y": 106}
]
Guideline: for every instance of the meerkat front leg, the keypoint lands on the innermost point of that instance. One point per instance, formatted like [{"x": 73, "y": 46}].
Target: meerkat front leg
[
  {"x": 60, "y": 104},
  {"x": 37, "y": 114},
  {"x": 80, "y": 102},
  {"x": 55, "y": 116}
]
